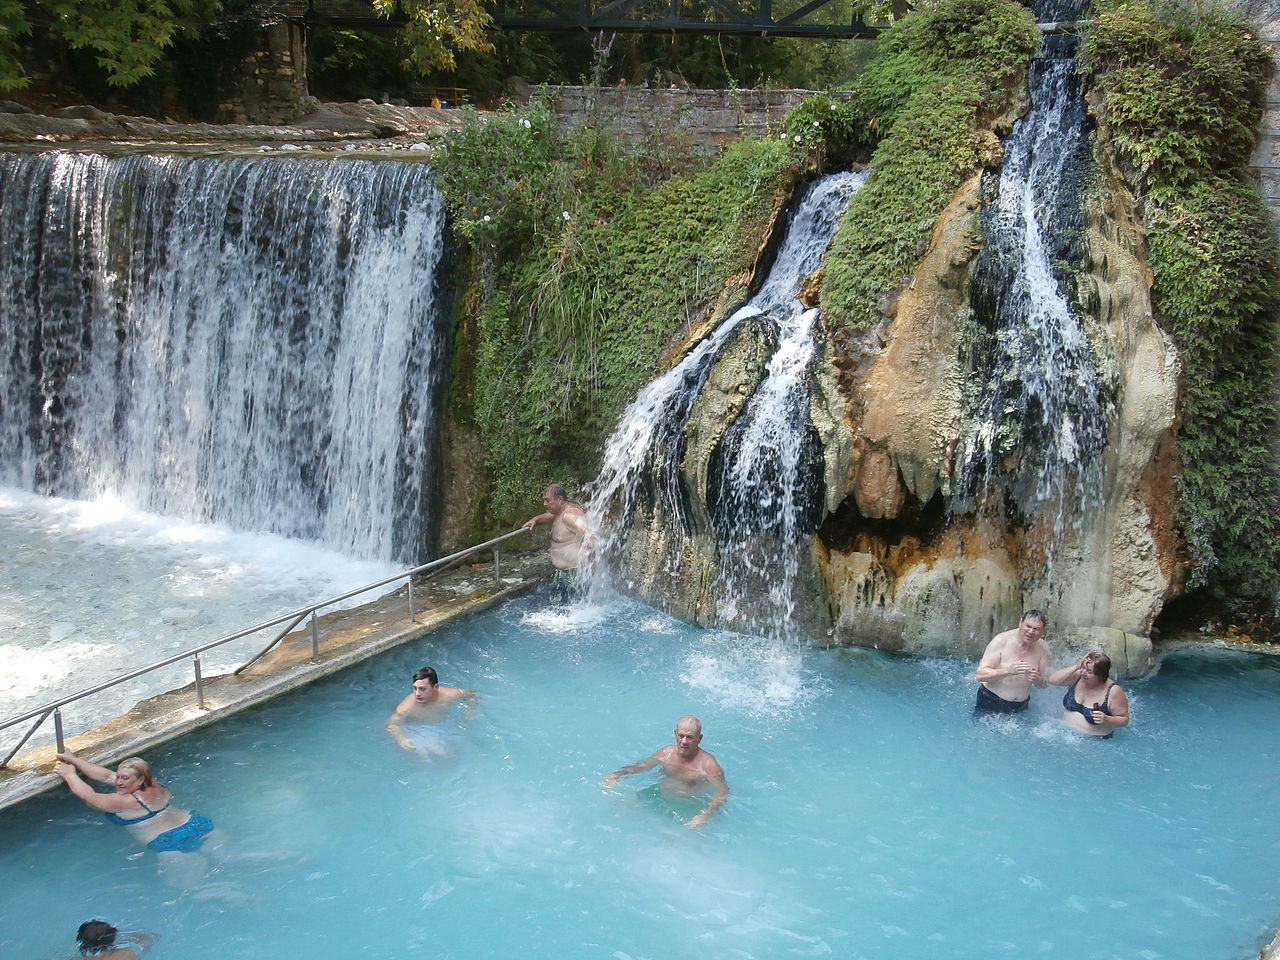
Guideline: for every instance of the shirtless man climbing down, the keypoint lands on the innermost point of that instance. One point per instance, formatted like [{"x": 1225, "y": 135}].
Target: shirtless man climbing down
[
  {"x": 569, "y": 533},
  {"x": 1013, "y": 662},
  {"x": 687, "y": 769}
]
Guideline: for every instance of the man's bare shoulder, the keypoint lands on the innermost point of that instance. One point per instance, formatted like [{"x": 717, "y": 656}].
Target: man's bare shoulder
[
  {"x": 709, "y": 765},
  {"x": 1002, "y": 640}
]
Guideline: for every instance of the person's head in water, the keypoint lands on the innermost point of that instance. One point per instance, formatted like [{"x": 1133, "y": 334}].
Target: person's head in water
[
  {"x": 134, "y": 774},
  {"x": 554, "y": 498},
  {"x": 1031, "y": 626},
  {"x": 425, "y": 682},
  {"x": 1099, "y": 664},
  {"x": 95, "y": 936},
  {"x": 688, "y": 736}
]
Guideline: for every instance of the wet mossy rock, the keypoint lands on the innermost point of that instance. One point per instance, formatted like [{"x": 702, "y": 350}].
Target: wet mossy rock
[{"x": 599, "y": 266}]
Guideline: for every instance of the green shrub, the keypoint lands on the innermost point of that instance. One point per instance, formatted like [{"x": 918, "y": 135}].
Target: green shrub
[
  {"x": 1182, "y": 90},
  {"x": 941, "y": 75},
  {"x": 585, "y": 274}
]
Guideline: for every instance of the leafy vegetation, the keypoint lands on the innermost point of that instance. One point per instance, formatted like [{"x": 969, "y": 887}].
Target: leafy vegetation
[
  {"x": 942, "y": 74},
  {"x": 589, "y": 260},
  {"x": 127, "y": 38},
  {"x": 1182, "y": 90},
  {"x": 435, "y": 32}
]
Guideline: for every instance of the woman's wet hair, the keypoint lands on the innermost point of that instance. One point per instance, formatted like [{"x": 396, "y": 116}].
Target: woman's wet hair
[
  {"x": 95, "y": 936},
  {"x": 1101, "y": 666},
  {"x": 141, "y": 768}
]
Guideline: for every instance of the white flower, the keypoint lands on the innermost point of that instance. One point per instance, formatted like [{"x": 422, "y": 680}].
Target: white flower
[
  {"x": 833, "y": 106},
  {"x": 782, "y": 136},
  {"x": 796, "y": 138},
  {"x": 816, "y": 123},
  {"x": 564, "y": 214},
  {"x": 526, "y": 124},
  {"x": 486, "y": 218}
]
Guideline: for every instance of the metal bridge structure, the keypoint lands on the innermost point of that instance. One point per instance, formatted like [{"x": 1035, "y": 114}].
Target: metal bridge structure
[{"x": 828, "y": 19}]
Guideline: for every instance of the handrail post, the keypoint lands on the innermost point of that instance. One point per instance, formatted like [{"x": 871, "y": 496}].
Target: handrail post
[
  {"x": 497, "y": 565},
  {"x": 57, "y": 731},
  {"x": 199, "y": 683},
  {"x": 413, "y": 617},
  {"x": 315, "y": 638}
]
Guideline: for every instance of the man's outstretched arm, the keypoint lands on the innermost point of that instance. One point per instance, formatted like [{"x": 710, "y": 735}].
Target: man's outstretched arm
[{"x": 640, "y": 766}]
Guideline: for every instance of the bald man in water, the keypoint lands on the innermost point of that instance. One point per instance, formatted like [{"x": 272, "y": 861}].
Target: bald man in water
[{"x": 687, "y": 769}]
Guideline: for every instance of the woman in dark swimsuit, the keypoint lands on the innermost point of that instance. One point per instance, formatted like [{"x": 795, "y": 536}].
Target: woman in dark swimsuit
[
  {"x": 1092, "y": 705},
  {"x": 137, "y": 802}
]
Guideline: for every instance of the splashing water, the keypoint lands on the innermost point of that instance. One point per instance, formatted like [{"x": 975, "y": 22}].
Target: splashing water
[{"x": 762, "y": 482}]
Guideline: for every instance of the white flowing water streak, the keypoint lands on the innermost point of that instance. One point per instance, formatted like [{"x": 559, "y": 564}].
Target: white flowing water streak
[
  {"x": 1039, "y": 399},
  {"x": 766, "y": 450},
  {"x": 763, "y": 487},
  {"x": 244, "y": 340}
]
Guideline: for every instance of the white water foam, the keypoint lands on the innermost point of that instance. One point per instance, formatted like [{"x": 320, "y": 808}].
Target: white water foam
[
  {"x": 91, "y": 589},
  {"x": 751, "y": 676}
]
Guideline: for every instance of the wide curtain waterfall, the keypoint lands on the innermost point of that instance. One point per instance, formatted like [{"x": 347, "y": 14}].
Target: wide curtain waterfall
[{"x": 255, "y": 341}]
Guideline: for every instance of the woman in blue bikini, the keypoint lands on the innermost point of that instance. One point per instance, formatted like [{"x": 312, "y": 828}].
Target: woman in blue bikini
[
  {"x": 1093, "y": 704},
  {"x": 137, "y": 802}
]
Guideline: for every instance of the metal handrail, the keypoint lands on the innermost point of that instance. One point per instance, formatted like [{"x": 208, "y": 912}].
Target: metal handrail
[{"x": 296, "y": 616}]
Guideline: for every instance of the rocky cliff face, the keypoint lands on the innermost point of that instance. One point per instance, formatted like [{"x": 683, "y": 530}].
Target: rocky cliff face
[
  {"x": 902, "y": 566},
  {"x": 906, "y": 557}
]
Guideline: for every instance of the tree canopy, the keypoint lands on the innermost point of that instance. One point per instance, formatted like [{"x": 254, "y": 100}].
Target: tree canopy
[{"x": 128, "y": 38}]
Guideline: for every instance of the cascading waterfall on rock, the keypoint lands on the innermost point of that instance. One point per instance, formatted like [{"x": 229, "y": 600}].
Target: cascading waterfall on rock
[
  {"x": 765, "y": 476},
  {"x": 255, "y": 341},
  {"x": 1038, "y": 405}
]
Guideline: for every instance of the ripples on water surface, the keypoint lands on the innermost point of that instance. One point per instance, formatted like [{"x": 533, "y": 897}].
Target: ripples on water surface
[{"x": 869, "y": 816}]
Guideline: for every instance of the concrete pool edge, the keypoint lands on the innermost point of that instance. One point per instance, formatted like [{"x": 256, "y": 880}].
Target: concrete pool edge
[{"x": 348, "y": 637}]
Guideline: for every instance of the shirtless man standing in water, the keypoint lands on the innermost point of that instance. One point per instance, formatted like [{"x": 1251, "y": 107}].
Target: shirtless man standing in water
[
  {"x": 427, "y": 705},
  {"x": 569, "y": 530},
  {"x": 1013, "y": 661},
  {"x": 688, "y": 770}
]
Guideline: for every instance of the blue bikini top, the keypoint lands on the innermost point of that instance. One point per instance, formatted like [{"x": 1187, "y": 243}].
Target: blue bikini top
[{"x": 116, "y": 818}]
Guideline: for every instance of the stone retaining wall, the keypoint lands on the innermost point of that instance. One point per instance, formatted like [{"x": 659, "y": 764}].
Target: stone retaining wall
[{"x": 703, "y": 119}]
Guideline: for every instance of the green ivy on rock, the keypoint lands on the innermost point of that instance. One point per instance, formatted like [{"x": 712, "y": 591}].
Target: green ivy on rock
[{"x": 1182, "y": 90}]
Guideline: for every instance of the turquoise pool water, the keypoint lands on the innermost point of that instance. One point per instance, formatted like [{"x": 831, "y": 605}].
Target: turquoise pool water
[{"x": 869, "y": 816}]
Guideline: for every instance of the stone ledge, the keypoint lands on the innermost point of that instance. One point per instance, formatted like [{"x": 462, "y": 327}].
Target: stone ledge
[{"x": 328, "y": 122}]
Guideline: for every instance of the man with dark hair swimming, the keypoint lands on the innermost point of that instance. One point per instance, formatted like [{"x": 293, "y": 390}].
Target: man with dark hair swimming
[
  {"x": 427, "y": 706},
  {"x": 688, "y": 770},
  {"x": 1013, "y": 662}
]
